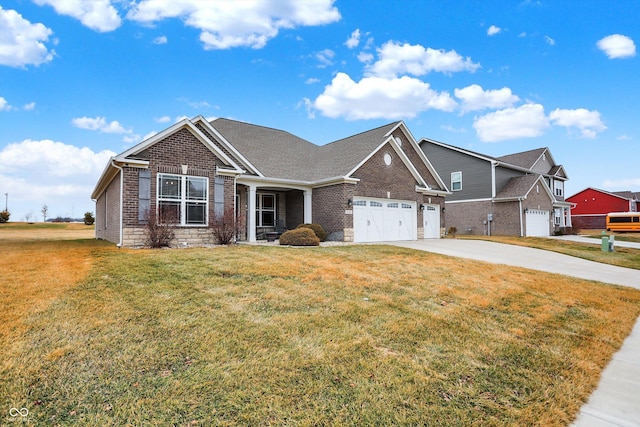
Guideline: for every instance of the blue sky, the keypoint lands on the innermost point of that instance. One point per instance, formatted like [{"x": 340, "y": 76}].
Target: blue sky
[{"x": 81, "y": 81}]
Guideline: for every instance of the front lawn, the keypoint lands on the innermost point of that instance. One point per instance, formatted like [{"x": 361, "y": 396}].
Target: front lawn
[{"x": 347, "y": 335}]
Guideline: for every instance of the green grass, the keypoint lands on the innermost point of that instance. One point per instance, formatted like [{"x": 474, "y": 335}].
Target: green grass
[
  {"x": 621, "y": 257},
  {"x": 355, "y": 335}
]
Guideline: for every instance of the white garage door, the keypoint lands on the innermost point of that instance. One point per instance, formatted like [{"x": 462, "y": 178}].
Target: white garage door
[
  {"x": 379, "y": 220},
  {"x": 537, "y": 223}
]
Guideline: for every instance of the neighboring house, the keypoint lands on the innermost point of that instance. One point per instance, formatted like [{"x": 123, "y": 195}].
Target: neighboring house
[
  {"x": 374, "y": 186},
  {"x": 520, "y": 194},
  {"x": 592, "y": 206}
]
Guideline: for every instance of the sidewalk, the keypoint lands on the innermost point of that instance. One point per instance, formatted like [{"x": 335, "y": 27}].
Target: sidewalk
[
  {"x": 616, "y": 401},
  {"x": 595, "y": 241}
]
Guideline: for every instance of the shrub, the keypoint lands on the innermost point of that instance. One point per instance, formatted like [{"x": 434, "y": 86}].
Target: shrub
[
  {"x": 452, "y": 231},
  {"x": 88, "y": 218},
  {"x": 301, "y": 236},
  {"x": 160, "y": 229},
  {"x": 225, "y": 227},
  {"x": 4, "y": 216},
  {"x": 317, "y": 229}
]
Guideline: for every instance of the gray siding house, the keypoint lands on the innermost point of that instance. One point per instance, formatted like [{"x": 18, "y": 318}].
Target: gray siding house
[
  {"x": 374, "y": 186},
  {"x": 520, "y": 194}
]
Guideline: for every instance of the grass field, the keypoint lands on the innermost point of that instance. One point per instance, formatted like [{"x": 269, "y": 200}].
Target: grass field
[{"x": 347, "y": 335}]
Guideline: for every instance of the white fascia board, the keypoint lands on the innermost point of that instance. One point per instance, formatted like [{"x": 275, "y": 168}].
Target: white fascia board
[
  {"x": 453, "y": 202},
  {"x": 335, "y": 180},
  {"x": 228, "y": 172},
  {"x": 105, "y": 178},
  {"x": 110, "y": 171},
  {"x": 416, "y": 146},
  {"x": 398, "y": 151},
  {"x": 185, "y": 123},
  {"x": 542, "y": 182},
  {"x": 261, "y": 181},
  {"x": 431, "y": 192},
  {"x": 509, "y": 199},
  {"x": 229, "y": 146},
  {"x": 132, "y": 163}
]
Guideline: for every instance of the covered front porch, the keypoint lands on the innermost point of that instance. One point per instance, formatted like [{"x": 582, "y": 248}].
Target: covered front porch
[
  {"x": 264, "y": 207},
  {"x": 562, "y": 216}
]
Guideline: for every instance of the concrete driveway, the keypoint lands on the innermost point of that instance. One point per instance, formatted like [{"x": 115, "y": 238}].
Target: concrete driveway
[
  {"x": 616, "y": 401},
  {"x": 520, "y": 256}
]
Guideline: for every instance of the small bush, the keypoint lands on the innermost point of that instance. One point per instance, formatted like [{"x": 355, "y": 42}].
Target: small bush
[
  {"x": 452, "y": 231},
  {"x": 225, "y": 227},
  {"x": 160, "y": 229},
  {"x": 88, "y": 218},
  {"x": 4, "y": 216},
  {"x": 301, "y": 236},
  {"x": 317, "y": 229}
]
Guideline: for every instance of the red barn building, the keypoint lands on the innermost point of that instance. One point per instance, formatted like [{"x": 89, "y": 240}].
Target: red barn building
[{"x": 592, "y": 205}]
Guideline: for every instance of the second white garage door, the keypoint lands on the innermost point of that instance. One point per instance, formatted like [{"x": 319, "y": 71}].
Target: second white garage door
[
  {"x": 380, "y": 220},
  {"x": 537, "y": 223}
]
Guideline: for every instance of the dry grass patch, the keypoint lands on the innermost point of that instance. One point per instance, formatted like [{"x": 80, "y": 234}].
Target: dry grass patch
[
  {"x": 358, "y": 335},
  {"x": 22, "y": 232}
]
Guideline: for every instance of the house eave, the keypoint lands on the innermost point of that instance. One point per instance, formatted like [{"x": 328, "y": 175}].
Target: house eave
[{"x": 431, "y": 192}]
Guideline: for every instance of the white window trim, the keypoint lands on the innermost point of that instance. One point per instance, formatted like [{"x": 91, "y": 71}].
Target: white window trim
[
  {"x": 459, "y": 180},
  {"x": 183, "y": 198},
  {"x": 260, "y": 209}
]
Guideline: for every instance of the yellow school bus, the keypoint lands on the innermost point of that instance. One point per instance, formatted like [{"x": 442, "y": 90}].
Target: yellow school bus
[{"x": 623, "y": 221}]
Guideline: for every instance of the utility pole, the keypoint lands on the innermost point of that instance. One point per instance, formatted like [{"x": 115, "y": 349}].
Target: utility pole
[{"x": 6, "y": 202}]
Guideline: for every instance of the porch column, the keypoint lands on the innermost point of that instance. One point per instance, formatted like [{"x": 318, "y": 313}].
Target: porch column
[
  {"x": 307, "y": 207},
  {"x": 251, "y": 213}
]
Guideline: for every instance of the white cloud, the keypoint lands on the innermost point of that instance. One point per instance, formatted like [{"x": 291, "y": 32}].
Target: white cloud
[
  {"x": 526, "y": 121},
  {"x": 99, "y": 123},
  {"x": 588, "y": 122},
  {"x": 325, "y": 57},
  {"x": 475, "y": 98},
  {"x": 21, "y": 42},
  {"x": 617, "y": 46},
  {"x": 493, "y": 30},
  {"x": 396, "y": 59},
  {"x": 99, "y": 15},
  {"x": 58, "y": 174},
  {"x": 160, "y": 40},
  {"x": 622, "y": 184},
  {"x": 163, "y": 119},
  {"x": 354, "y": 40},
  {"x": 30, "y": 106},
  {"x": 311, "y": 81},
  {"x": 4, "y": 105},
  {"x": 549, "y": 40},
  {"x": 225, "y": 25},
  {"x": 376, "y": 97},
  {"x": 365, "y": 57}
]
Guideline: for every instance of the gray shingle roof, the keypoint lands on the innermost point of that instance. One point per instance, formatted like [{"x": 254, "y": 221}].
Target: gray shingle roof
[
  {"x": 279, "y": 154},
  {"x": 274, "y": 152},
  {"x": 518, "y": 186},
  {"x": 526, "y": 159}
]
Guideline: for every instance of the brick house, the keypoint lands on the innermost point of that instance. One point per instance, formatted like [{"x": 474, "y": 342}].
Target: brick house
[
  {"x": 592, "y": 205},
  {"x": 374, "y": 186},
  {"x": 520, "y": 194}
]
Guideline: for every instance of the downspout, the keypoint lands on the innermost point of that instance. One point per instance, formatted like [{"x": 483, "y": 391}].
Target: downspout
[
  {"x": 521, "y": 223},
  {"x": 121, "y": 199}
]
